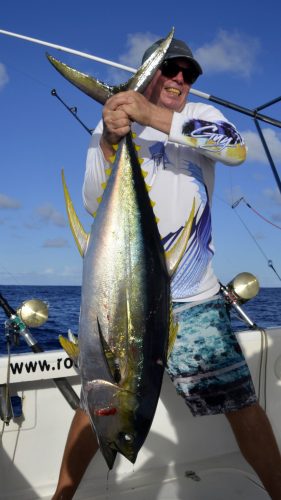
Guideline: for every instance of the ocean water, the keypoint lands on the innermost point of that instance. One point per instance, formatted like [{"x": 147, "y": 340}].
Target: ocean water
[{"x": 64, "y": 305}]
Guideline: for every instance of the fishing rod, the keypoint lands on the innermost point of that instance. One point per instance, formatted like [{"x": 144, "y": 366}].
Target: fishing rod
[
  {"x": 16, "y": 324},
  {"x": 218, "y": 100},
  {"x": 72, "y": 110}
]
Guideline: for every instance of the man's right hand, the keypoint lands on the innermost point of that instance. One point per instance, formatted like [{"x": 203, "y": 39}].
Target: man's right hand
[{"x": 116, "y": 124}]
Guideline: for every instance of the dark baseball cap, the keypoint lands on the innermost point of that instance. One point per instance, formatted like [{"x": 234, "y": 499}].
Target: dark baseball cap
[{"x": 177, "y": 48}]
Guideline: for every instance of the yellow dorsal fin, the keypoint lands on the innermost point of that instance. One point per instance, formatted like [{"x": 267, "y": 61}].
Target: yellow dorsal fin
[
  {"x": 79, "y": 233},
  {"x": 174, "y": 255}
]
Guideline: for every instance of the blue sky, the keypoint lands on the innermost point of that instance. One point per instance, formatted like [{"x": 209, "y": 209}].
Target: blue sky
[{"x": 238, "y": 45}]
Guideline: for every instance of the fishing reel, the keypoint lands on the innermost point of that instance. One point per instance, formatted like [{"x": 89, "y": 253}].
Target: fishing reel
[
  {"x": 31, "y": 313},
  {"x": 242, "y": 288}
]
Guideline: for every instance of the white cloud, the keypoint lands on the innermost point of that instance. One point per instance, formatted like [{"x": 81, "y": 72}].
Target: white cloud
[
  {"x": 273, "y": 195},
  {"x": 8, "y": 202},
  {"x": 229, "y": 52},
  {"x": 255, "y": 148},
  {"x": 3, "y": 76},
  {"x": 136, "y": 45},
  {"x": 56, "y": 243},
  {"x": 50, "y": 214}
]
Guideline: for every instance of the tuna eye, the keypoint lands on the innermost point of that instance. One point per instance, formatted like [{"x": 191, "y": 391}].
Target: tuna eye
[{"x": 128, "y": 437}]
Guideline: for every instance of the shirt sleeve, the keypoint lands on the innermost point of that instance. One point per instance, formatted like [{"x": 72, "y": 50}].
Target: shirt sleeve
[
  {"x": 204, "y": 128},
  {"x": 95, "y": 174}
]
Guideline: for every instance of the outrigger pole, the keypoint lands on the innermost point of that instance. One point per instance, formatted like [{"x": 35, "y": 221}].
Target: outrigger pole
[{"x": 241, "y": 109}]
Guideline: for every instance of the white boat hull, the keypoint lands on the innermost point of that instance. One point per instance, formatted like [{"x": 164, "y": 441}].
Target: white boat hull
[{"x": 183, "y": 457}]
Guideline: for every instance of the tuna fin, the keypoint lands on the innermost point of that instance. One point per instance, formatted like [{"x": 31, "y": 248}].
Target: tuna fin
[
  {"x": 101, "y": 91},
  {"x": 94, "y": 88},
  {"x": 71, "y": 337},
  {"x": 172, "y": 333},
  {"x": 174, "y": 255},
  {"x": 145, "y": 73},
  {"x": 110, "y": 357},
  {"x": 70, "y": 348},
  {"x": 79, "y": 233}
]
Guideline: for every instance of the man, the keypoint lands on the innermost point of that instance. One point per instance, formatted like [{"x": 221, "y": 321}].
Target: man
[{"x": 180, "y": 143}]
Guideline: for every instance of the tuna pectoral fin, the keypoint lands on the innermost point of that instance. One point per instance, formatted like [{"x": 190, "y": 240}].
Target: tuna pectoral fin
[
  {"x": 94, "y": 88},
  {"x": 110, "y": 358},
  {"x": 79, "y": 233},
  {"x": 174, "y": 255}
]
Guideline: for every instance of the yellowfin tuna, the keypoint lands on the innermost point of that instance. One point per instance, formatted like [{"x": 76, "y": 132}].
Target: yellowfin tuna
[{"x": 125, "y": 305}]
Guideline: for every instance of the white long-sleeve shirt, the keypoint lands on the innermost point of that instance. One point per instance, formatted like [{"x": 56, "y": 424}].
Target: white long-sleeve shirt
[{"x": 181, "y": 170}]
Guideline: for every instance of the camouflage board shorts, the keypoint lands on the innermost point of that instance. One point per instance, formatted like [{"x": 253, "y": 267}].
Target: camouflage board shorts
[{"x": 207, "y": 365}]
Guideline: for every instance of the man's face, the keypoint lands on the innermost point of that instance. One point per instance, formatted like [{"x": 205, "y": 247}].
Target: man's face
[{"x": 169, "y": 91}]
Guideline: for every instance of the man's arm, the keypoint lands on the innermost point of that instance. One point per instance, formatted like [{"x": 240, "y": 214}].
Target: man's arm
[{"x": 205, "y": 129}]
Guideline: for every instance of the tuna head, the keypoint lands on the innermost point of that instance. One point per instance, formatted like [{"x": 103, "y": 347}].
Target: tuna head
[{"x": 112, "y": 413}]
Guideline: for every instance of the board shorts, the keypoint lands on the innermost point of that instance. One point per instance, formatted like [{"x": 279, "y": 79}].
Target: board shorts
[{"x": 207, "y": 365}]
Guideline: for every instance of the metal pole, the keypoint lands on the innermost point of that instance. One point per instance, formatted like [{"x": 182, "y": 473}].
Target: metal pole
[
  {"x": 198, "y": 93},
  {"x": 267, "y": 152}
]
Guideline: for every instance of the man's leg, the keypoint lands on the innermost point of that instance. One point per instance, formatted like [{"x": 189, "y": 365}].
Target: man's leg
[
  {"x": 257, "y": 443},
  {"x": 81, "y": 446}
]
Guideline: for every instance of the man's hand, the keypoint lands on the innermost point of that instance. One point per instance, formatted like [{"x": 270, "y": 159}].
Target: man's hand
[{"x": 124, "y": 108}]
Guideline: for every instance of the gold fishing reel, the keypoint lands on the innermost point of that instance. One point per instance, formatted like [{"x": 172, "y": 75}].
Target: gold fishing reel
[
  {"x": 33, "y": 313},
  {"x": 243, "y": 287}
]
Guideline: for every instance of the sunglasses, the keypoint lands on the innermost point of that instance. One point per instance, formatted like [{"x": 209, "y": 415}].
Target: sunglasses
[{"x": 170, "y": 69}]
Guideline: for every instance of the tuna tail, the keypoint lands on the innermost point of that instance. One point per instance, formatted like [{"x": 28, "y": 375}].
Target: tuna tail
[
  {"x": 91, "y": 86},
  {"x": 100, "y": 91},
  {"x": 80, "y": 235}
]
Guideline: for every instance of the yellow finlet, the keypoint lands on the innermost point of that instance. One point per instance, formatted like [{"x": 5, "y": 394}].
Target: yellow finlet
[
  {"x": 108, "y": 171},
  {"x": 137, "y": 147},
  {"x": 148, "y": 188},
  {"x": 115, "y": 146},
  {"x": 99, "y": 199},
  {"x": 152, "y": 203},
  {"x": 141, "y": 160},
  {"x": 111, "y": 159},
  {"x": 103, "y": 185},
  {"x": 144, "y": 173}
]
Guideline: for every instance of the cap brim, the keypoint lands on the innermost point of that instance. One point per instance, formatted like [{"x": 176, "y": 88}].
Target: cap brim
[{"x": 194, "y": 63}]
